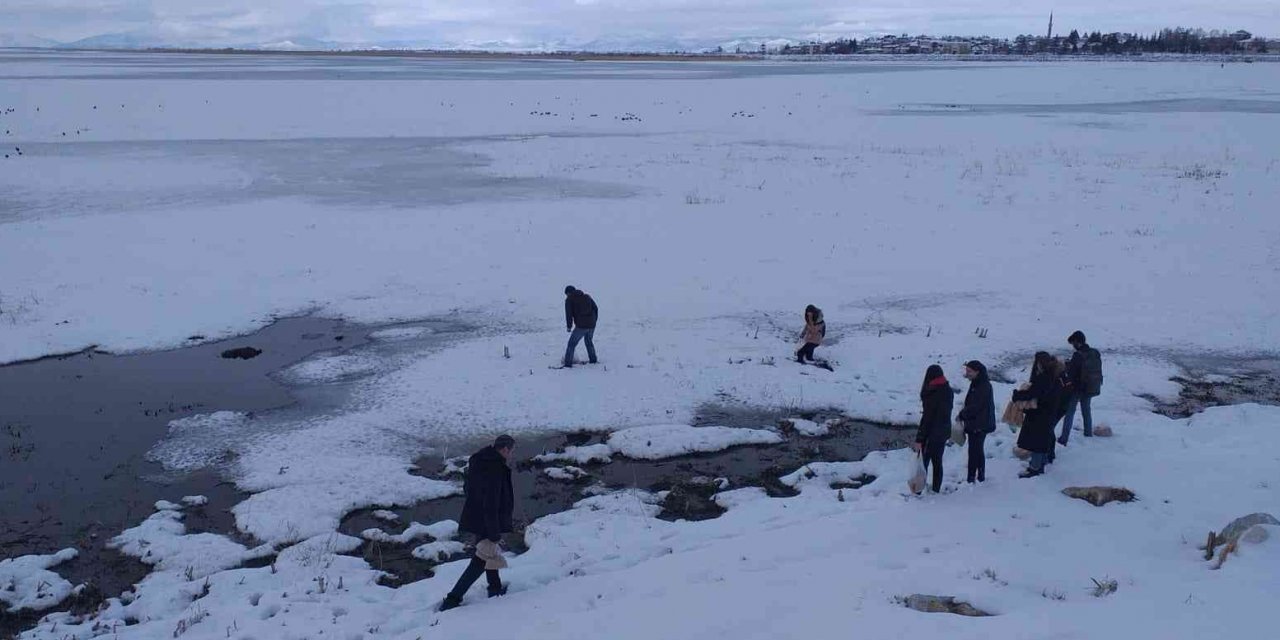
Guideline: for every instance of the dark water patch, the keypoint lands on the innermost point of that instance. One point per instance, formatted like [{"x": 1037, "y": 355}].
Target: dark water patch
[
  {"x": 692, "y": 480},
  {"x": 1241, "y": 382},
  {"x": 75, "y": 429}
]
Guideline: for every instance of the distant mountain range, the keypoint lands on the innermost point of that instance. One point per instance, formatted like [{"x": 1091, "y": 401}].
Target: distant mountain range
[{"x": 613, "y": 44}]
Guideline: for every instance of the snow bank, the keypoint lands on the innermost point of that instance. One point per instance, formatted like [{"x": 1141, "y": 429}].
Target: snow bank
[{"x": 27, "y": 584}]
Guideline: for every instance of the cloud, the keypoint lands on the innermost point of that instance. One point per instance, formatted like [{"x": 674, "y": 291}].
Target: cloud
[{"x": 572, "y": 22}]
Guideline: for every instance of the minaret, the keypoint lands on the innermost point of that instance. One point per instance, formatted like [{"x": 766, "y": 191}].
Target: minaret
[{"x": 1050, "y": 36}]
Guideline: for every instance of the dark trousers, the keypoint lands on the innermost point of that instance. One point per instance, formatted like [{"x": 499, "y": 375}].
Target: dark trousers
[
  {"x": 469, "y": 577},
  {"x": 977, "y": 457},
  {"x": 933, "y": 458},
  {"x": 583, "y": 335},
  {"x": 806, "y": 352}
]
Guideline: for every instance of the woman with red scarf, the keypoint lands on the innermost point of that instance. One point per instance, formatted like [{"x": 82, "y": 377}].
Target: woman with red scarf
[{"x": 936, "y": 399}]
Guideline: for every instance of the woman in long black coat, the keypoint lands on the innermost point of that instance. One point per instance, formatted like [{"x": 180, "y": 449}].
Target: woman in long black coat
[
  {"x": 936, "y": 400},
  {"x": 978, "y": 416},
  {"x": 1037, "y": 434}
]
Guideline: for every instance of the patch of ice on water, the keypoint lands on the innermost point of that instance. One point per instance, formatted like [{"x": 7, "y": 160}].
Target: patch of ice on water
[
  {"x": 195, "y": 501},
  {"x": 400, "y": 333},
  {"x": 595, "y": 453},
  {"x": 456, "y": 465},
  {"x": 439, "y": 550},
  {"x": 668, "y": 441},
  {"x": 386, "y": 516},
  {"x": 332, "y": 368},
  {"x": 199, "y": 441},
  {"x": 566, "y": 474},
  {"x": 809, "y": 428},
  {"x": 443, "y": 530}
]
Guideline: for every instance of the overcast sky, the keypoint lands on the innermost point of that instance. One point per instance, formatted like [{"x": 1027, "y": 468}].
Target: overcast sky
[{"x": 531, "y": 22}]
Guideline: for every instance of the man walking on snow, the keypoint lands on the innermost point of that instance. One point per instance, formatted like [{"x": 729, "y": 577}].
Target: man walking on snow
[
  {"x": 1084, "y": 374},
  {"x": 486, "y": 514},
  {"x": 580, "y": 313}
]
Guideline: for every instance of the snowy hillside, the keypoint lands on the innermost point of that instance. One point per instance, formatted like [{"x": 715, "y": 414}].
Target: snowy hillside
[{"x": 936, "y": 214}]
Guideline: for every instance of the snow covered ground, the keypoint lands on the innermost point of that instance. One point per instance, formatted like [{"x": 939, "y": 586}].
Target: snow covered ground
[{"x": 702, "y": 206}]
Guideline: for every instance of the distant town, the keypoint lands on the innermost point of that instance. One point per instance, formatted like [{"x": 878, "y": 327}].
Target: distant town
[{"x": 1176, "y": 41}]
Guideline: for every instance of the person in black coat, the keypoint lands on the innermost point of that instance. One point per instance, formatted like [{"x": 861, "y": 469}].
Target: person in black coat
[
  {"x": 1037, "y": 434},
  {"x": 978, "y": 416},
  {"x": 580, "y": 316},
  {"x": 486, "y": 514},
  {"x": 936, "y": 400}
]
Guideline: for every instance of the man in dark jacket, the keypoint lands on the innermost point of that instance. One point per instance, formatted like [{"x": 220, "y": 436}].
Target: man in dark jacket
[
  {"x": 486, "y": 514},
  {"x": 978, "y": 416},
  {"x": 580, "y": 314},
  {"x": 1084, "y": 380},
  {"x": 936, "y": 401}
]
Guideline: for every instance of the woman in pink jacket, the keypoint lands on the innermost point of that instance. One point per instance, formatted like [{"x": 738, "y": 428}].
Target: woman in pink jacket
[{"x": 815, "y": 329}]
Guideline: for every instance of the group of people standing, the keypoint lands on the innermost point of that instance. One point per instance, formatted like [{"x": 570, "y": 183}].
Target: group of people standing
[{"x": 1053, "y": 394}]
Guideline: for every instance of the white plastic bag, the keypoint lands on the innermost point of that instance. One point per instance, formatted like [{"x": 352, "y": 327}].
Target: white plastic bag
[
  {"x": 916, "y": 483},
  {"x": 957, "y": 433}
]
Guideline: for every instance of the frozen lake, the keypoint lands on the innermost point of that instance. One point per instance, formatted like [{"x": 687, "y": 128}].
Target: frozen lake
[{"x": 937, "y": 211}]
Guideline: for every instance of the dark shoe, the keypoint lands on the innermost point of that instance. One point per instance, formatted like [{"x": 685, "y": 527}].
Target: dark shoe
[
  {"x": 593, "y": 362},
  {"x": 1088, "y": 435},
  {"x": 500, "y": 591},
  {"x": 450, "y": 603},
  {"x": 1030, "y": 473},
  {"x": 1062, "y": 441}
]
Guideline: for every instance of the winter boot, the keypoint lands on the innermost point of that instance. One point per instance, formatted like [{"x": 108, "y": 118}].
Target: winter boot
[
  {"x": 500, "y": 591},
  {"x": 1030, "y": 473},
  {"x": 450, "y": 603}
]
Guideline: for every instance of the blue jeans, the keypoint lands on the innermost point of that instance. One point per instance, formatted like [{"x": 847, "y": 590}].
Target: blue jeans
[
  {"x": 577, "y": 335},
  {"x": 1086, "y": 411},
  {"x": 1038, "y": 460}
]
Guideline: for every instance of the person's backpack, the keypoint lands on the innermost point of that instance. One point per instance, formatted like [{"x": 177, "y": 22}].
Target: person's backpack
[{"x": 1091, "y": 373}]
